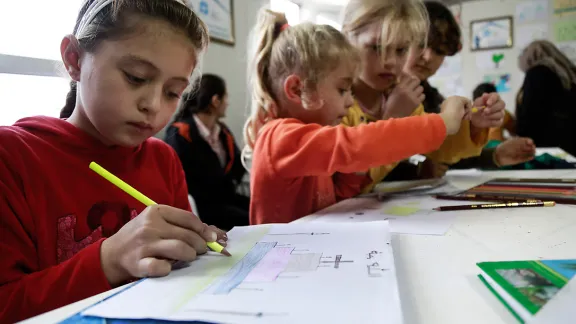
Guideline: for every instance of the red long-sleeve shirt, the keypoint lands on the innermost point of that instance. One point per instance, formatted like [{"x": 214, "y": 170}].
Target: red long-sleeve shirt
[
  {"x": 295, "y": 165},
  {"x": 55, "y": 212}
]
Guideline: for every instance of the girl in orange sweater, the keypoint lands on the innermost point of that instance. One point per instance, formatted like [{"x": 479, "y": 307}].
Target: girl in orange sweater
[{"x": 303, "y": 160}]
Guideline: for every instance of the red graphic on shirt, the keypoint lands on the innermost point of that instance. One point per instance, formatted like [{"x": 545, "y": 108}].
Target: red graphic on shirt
[{"x": 104, "y": 219}]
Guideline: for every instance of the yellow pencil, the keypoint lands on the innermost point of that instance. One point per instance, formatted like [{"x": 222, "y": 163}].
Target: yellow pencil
[
  {"x": 214, "y": 246},
  {"x": 477, "y": 109}
]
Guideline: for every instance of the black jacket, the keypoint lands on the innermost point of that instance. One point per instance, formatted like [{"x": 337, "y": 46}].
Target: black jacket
[
  {"x": 208, "y": 182},
  {"x": 547, "y": 111}
]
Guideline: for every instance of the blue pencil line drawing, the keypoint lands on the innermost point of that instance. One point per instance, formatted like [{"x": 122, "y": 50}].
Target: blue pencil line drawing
[{"x": 240, "y": 271}]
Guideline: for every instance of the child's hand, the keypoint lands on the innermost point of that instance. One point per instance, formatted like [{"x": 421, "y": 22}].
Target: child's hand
[
  {"x": 432, "y": 170},
  {"x": 492, "y": 115},
  {"x": 404, "y": 98},
  {"x": 453, "y": 110},
  {"x": 514, "y": 151},
  {"x": 146, "y": 245}
]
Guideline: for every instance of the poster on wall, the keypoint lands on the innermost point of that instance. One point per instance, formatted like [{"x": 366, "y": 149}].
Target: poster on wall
[
  {"x": 565, "y": 30},
  {"x": 564, "y": 7},
  {"x": 218, "y": 15},
  {"x": 527, "y": 33},
  {"x": 493, "y": 60},
  {"x": 493, "y": 33},
  {"x": 569, "y": 49},
  {"x": 451, "y": 66},
  {"x": 449, "y": 86},
  {"x": 500, "y": 80},
  {"x": 533, "y": 10}
]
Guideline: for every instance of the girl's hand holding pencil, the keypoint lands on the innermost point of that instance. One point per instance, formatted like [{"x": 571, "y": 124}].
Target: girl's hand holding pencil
[
  {"x": 488, "y": 111},
  {"x": 146, "y": 244},
  {"x": 151, "y": 243}
]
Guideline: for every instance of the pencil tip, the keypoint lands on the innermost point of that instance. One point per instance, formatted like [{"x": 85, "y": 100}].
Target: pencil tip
[{"x": 225, "y": 252}]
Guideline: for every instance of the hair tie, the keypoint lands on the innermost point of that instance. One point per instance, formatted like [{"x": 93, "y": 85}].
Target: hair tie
[{"x": 284, "y": 27}]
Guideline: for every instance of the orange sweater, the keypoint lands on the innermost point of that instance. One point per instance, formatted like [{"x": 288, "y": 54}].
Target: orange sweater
[{"x": 298, "y": 169}]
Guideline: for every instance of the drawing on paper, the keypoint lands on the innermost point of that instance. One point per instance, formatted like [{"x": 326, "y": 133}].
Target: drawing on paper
[
  {"x": 266, "y": 261},
  {"x": 335, "y": 261},
  {"x": 500, "y": 81},
  {"x": 491, "y": 33}
]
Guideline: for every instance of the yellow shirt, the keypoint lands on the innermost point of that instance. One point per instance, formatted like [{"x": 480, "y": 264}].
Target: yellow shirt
[{"x": 455, "y": 147}]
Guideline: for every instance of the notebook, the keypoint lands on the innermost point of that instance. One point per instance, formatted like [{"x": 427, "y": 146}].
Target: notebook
[
  {"x": 524, "y": 287},
  {"x": 562, "y": 191}
]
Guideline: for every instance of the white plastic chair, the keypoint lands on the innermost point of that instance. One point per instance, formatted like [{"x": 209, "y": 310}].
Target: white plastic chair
[{"x": 193, "y": 205}]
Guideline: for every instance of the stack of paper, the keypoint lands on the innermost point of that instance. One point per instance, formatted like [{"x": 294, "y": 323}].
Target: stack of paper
[{"x": 290, "y": 273}]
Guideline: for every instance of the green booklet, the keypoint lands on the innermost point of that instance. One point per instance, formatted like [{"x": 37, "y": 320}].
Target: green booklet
[{"x": 524, "y": 287}]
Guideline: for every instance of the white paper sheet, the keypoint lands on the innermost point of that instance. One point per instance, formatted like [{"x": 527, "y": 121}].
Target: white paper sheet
[
  {"x": 290, "y": 273},
  {"x": 528, "y": 33},
  {"x": 413, "y": 215},
  {"x": 528, "y": 11},
  {"x": 569, "y": 49}
]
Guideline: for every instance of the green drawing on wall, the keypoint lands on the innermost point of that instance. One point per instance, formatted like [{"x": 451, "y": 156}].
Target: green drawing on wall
[{"x": 497, "y": 58}]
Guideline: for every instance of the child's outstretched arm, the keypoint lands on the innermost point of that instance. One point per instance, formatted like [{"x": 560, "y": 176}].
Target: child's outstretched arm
[{"x": 294, "y": 149}]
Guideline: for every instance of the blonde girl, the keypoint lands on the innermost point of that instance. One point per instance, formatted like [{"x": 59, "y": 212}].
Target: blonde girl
[
  {"x": 384, "y": 32},
  {"x": 65, "y": 233},
  {"x": 303, "y": 159}
]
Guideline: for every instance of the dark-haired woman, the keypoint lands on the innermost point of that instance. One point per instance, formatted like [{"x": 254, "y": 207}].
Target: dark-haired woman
[{"x": 209, "y": 155}]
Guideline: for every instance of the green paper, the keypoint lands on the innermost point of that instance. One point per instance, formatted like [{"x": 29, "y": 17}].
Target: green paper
[
  {"x": 565, "y": 30},
  {"x": 401, "y": 211}
]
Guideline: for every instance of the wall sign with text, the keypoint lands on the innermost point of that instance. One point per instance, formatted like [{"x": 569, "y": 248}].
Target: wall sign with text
[{"x": 218, "y": 15}]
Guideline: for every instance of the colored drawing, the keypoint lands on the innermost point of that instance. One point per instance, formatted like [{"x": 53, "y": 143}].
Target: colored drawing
[
  {"x": 240, "y": 271},
  {"x": 491, "y": 34},
  {"x": 565, "y": 30},
  {"x": 303, "y": 262},
  {"x": 401, "y": 210},
  {"x": 500, "y": 81},
  {"x": 564, "y": 7},
  {"x": 271, "y": 265},
  {"x": 528, "y": 11}
]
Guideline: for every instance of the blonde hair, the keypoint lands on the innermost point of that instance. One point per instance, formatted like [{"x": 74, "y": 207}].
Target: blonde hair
[
  {"x": 403, "y": 21},
  {"x": 307, "y": 50},
  {"x": 543, "y": 52}
]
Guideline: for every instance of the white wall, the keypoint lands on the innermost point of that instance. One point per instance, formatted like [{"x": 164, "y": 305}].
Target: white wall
[
  {"x": 484, "y": 9},
  {"x": 230, "y": 62}
]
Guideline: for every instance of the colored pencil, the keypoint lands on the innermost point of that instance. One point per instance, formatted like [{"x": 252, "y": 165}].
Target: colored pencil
[
  {"x": 479, "y": 197},
  {"x": 502, "y": 205},
  {"x": 214, "y": 246}
]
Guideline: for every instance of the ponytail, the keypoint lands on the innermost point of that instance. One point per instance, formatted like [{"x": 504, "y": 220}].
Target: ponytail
[
  {"x": 68, "y": 109},
  {"x": 268, "y": 28},
  {"x": 199, "y": 100}
]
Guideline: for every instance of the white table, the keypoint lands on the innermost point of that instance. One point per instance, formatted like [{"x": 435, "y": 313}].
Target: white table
[{"x": 437, "y": 274}]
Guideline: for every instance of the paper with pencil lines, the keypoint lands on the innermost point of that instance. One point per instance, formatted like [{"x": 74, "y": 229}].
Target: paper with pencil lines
[{"x": 285, "y": 273}]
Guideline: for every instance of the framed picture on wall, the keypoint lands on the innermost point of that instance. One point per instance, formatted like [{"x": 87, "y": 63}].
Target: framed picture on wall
[
  {"x": 218, "y": 15},
  {"x": 493, "y": 33}
]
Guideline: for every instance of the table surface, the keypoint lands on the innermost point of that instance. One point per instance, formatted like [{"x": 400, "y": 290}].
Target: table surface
[{"x": 437, "y": 274}]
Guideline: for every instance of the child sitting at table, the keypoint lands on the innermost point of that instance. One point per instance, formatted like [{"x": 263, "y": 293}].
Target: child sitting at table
[
  {"x": 65, "y": 232},
  {"x": 303, "y": 159}
]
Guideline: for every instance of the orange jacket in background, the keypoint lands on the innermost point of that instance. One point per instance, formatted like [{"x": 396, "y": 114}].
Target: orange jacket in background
[{"x": 298, "y": 169}]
